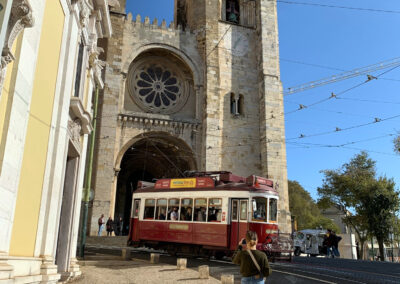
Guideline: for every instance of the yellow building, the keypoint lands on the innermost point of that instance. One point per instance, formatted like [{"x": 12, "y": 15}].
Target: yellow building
[{"x": 49, "y": 69}]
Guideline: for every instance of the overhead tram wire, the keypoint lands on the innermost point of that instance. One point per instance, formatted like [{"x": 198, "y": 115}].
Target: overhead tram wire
[
  {"x": 337, "y": 7},
  {"x": 366, "y": 70},
  {"x": 335, "y": 95}
]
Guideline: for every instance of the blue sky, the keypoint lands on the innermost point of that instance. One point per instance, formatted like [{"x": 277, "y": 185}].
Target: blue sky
[{"x": 341, "y": 39}]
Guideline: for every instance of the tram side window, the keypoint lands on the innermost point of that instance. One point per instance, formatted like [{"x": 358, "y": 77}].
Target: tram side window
[
  {"x": 161, "y": 210},
  {"x": 259, "y": 209},
  {"x": 273, "y": 209},
  {"x": 149, "y": 209},
  {"x": 135, "y": 209},
  {"x": 200, "y": 205},
  {"x": 186, "y": 209},
  {"x": 173, "y": 209},
  {"x": 214, "y": 209}
]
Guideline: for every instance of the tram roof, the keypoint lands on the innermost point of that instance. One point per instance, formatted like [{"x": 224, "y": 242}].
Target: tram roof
[{"x": 206, "y": 181}]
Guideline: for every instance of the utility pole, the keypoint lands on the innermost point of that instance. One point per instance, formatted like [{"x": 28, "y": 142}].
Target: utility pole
[{"x": 88, "y": 177}]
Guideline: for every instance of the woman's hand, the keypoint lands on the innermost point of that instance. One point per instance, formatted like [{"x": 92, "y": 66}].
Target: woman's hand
[{"x": 241, "y": 241}]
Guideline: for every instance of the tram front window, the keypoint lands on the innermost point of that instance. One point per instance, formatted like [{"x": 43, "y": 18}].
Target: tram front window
[
  {"x": 273, "y": 210},
  {"x": 200, "y": 209},
  {"x": 214, "y": 210},
  {"x": 161, "y": 210},
  {"x": 149, "y": 209},
  {"x": 186, "y": 209},
  {"x": 173, "y": 209},
  {"x": 259, "y": 209}
]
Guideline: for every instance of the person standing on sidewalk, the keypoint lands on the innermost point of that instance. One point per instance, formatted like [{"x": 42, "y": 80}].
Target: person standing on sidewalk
[
  {"x": 101, "y": 224},
  {"x": 335, "y": 244},
  {"x": 120, "y": 226},
  {"x": 253, "y": 263},
  {"x": 109, "y": 226}
]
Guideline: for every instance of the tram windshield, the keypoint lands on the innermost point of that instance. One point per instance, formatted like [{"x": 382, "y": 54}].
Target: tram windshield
[
  {"x": 273, "y": 209},
  {"x": 260, "y": 209}
]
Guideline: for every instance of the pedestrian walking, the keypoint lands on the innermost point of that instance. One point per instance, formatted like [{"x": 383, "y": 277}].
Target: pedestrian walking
[
  {"x": 335, "y": 244},
  {"x": 101, "y": 225},
  {"x": 109, "y": 226},
  {"x": 119, "y": 227},
  {"x": 253, "y": 263}
]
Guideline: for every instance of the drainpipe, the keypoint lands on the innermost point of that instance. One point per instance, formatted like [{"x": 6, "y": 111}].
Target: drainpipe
[{"x": 88, "y": 178}]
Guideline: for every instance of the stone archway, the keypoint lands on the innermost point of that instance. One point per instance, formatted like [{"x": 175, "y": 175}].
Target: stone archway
[{"x": 148, "y": 157}]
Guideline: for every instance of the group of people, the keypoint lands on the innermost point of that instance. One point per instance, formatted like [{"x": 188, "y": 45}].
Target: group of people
[
  {"x": 331, "y": 242},
  {"x": 110, "y": 225}
]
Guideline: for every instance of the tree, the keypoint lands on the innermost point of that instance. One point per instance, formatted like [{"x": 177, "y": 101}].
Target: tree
[
  {"x": 306, "y": 210},
  {"x": 396, "y": 142},
  {"x": 373, "y": 201}
]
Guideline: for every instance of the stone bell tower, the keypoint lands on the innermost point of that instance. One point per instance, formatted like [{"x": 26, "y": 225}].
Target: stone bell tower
[{"x": 242, "y": 123}]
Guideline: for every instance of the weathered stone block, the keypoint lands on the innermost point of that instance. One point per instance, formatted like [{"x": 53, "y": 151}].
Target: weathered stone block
[
  {"x": 227, "y": 279},
  {"x": 204, "y": 272},
  {"x": 154, "y": 258},
  {"x": 181, "y": 263}
]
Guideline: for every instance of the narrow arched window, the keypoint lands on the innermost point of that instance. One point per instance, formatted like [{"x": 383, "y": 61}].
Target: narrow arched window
[
  {"x": 232, "y": 11},
  {"x": 241, "y": 104},
  {"x": 233, "y": 104}
]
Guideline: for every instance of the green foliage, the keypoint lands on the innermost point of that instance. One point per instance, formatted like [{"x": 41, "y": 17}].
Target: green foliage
[
  {"x": 396, "y": 143},
  {"x": 306, "y": 211},
  {"x": 374, "y": 200}
]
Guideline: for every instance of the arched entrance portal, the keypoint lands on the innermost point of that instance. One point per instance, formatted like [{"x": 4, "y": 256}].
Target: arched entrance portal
[{"x": 152, "y": 156}]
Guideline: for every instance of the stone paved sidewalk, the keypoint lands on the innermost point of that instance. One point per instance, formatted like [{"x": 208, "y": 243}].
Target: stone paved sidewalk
[{"x": 108, "y": 269}]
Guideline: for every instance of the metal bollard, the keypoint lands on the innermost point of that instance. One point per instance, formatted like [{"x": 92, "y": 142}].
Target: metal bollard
[
  {"x": 126, "y": 254},
  {"x": 204, "y": 272},
  {"x": 227, "y": 279},
  {"x": 154, "y": 258},
  {"x": 181, "y": 263}
]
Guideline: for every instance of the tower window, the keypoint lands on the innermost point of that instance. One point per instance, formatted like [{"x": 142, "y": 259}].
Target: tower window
[
  {"x": 234, "y": 109},
  {"x": 237, "y": 104},
  {"x": 240, "y": 105},
  {"x": 233, "y": 11}
]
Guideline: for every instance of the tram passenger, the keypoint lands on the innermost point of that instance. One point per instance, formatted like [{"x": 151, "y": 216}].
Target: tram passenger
[
  {"x": 201, "y": 214},
  {"x": 174, "y": 214},
  {"x": 162, "y": 214},
  {"x": 253, "y": 263},
  {"x": 188, "y": 214},
  {"x": 212, "y": 216}
]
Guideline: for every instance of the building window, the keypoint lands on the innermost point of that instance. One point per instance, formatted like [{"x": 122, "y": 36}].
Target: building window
[
  {"x": 232, "y": 11},
  {"x": 237, "y": 104},
  {"x": 79, "y": 66},
  {"x": 233, "y": 104},
  {"x": 240, "y": 104}
]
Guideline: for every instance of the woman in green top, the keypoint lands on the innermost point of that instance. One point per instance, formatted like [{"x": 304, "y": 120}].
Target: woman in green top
[{"x": 248, "y": 269}]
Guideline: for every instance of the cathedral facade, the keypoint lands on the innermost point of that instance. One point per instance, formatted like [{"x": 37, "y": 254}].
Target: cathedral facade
[{"x": 202, "y": 93}]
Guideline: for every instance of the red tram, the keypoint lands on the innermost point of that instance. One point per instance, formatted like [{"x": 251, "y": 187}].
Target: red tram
[{"x": 206, "y": 214}]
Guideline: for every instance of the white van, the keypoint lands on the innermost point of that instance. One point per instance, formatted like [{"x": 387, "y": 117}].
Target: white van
[{"x": 309, "y": 241}]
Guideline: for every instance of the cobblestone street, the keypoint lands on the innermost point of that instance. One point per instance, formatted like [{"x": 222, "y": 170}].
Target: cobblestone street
[{"x": 110, "y": 269}]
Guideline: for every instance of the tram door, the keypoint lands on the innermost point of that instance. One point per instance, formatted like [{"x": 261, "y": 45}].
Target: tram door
[{"x": 239, "y": 224}]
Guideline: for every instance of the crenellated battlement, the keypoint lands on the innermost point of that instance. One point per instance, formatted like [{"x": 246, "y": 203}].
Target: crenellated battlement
[{"x": 138, "y": 22}]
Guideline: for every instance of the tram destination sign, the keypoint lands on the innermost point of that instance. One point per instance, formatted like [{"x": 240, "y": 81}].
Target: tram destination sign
[{"x": 199, "y": 182}]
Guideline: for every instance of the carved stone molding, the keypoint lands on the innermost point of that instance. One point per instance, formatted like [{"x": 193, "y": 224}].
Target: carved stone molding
[
  {"x": 20, "y": 18},
  {"x": 85, "y": 10},
  {"x": 74, "y": 129}
]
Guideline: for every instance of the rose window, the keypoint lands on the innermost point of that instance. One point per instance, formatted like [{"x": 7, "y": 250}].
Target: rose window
[{"x": 156, "y": 88}]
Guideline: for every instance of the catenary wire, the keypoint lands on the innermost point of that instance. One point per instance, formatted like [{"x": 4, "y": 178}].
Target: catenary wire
[{"x": 337, "y": 7}]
